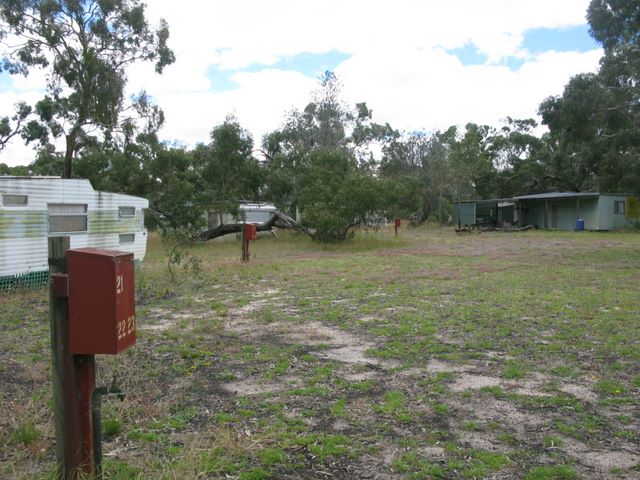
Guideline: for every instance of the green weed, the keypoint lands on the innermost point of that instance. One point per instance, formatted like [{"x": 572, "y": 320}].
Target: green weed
[{"x": 557, "y": 472}]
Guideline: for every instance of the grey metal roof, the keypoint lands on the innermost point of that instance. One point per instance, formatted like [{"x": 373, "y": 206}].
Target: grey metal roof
[
  {"x": 545, "y": 196},
  {"x": 489, "y": 200}
]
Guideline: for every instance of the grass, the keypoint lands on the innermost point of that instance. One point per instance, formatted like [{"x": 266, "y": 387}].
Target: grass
[{"x": 427, "y": 356}]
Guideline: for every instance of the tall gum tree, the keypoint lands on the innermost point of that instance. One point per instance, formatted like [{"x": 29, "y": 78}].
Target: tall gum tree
[{"x": 85, "y": 47}]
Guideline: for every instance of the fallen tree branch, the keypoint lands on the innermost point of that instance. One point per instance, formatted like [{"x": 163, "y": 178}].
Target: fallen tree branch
[{"x": 279, "y": 220}]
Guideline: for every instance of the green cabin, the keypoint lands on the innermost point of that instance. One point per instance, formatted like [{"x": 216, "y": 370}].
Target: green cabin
[{"x": 554, "y": 210}]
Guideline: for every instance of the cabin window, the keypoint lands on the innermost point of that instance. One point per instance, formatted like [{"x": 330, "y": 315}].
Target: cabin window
[
  {"x": 127, "y": 238},
  {"x": 618, "y": 206},
  {"x": 127, "y": 211},
  {"x": 10, "y": 200},
  {"x": 67, "y": 217}
]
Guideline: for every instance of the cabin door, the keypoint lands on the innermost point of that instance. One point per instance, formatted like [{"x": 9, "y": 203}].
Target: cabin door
[{"x": 554, "y": 216}]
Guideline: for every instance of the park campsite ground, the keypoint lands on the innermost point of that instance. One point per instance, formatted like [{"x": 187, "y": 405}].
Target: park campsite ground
[{"x": 429, "y": 355}]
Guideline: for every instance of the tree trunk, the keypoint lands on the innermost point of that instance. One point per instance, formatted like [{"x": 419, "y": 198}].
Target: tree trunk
[
  {"x": 279, "y": 220},
  {"x": 72, "y": 143},
  {"x": 68, "y": 157}
]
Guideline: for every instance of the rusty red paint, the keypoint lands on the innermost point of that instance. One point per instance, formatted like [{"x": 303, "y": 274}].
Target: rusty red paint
[
  {"x": 101, "y": 301},
  {"x": 85, "y": 384},
  {"x": 250, "y": 231},
  {"x": 60, "y": 285}
]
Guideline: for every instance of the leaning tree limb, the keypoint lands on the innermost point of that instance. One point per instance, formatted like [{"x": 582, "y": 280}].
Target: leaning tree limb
[{"x": 279, "y": 220}]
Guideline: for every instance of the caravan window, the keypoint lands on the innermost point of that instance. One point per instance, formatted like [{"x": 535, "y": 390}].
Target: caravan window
[
  {"x": 67, "y": 217},
  {"x": 618, "y": 206},
  {"x": 127, "y": 238},
  {"x": 127, "y": 211},
  {"x": 9, "y": 200}
]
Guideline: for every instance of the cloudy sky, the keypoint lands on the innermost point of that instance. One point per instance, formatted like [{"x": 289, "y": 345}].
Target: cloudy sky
[{"x": 418, "y": 64}]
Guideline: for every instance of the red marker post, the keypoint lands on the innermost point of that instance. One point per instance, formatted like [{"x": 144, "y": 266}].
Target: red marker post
[
  {"x": 248, "y": 233},
  {"x": 92, "y": 309}
]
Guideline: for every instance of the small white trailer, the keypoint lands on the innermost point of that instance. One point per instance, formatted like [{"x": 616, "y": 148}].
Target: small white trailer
[
  {"x": 257, "y": 213},
  {"x": 32, "y": 209}
]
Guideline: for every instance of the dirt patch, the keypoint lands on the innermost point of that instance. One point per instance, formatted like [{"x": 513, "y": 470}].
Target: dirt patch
[
  {"x": 161, "y": 319},
  {"x": 161, "y": 326},
  {"x": 438, "y": 366},
  {"x": 316, "y": 333},
  {"x": 258, "y": 386},
  {"x": 354, "y": 354},
  {"x": 580, "y": 392},
  {"x": 337, "y": 344},
  {"x": 432, "y": 452},
  {"x": 468, "y": 381},
  {"x": 267, "y": 292},
  {"x": 248, "y": 308},
  {"x": 502, "y": 412},
  {"x": 359, "y": 376},
  {"x": 481, "y": 441},
  {"x": 389, "y": 452},
  {"x": 340, "y": 425},
  {"x": 532, "y": 386},
  {"x": 604, "y": 460}
]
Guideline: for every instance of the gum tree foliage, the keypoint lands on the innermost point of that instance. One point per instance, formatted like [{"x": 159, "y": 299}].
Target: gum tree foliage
[
  {"x": 576, "y": 123},
  {"x": 411, "y": 167},
  {"x": 444, "y": 167},
  {"x": 616, "y": 25},
  {"x": 85, "y": 47},
  {"x": 335, "y": 195},
  {"x": 321, "y": 164},
  {"x": 431, "y": 171},
  {"x": 13, "y": 126},
  {"x": 229, "y": 172},
  {"x": 519, "y": 157},
  {"x": 594, "y": 126}
]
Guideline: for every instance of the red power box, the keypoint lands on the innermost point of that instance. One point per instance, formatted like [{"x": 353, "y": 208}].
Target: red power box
[
  {"x": 102, "y": 311},
  {"x": 250, "y": 231}
]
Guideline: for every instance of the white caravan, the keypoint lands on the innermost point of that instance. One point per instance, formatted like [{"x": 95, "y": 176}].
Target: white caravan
[
  {"x": 258, "y": 213},
  {"x": 33, "y": 209}
]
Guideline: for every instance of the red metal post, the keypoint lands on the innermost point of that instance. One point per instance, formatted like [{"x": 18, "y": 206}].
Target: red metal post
[
  {"x": 245, "y": 246},
  {"x": 80, "y": 382},
  {"x": 73, "y": 463},
  {"x": 248, "y": 233},
  {"x": 85, "y": 375},
  {"x": 92, "y": 304},
  {"x": 73, "y": 377}
]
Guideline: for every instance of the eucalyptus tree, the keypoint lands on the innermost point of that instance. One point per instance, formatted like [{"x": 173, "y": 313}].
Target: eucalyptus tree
[
  {"x": 326, "y": 123},
  {"x": 229, "y": 172},
  {"x": 85, "y": 47},
  {"x": 616, "y": 25},
  {"x": 519, "y": 157},
  {"x": 594, "y": 126},
  {"x": 322, "y": 166}
]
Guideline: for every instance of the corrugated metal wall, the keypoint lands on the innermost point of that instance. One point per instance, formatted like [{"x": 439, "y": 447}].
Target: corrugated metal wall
[{"x": 24, "y": 229}]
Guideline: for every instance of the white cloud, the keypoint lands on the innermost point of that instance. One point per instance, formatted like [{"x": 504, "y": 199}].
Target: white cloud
[
  {"x": 259, "y": 103},
  {"x": 398, "y": 62},
  {"x": 433, "y": 90}
]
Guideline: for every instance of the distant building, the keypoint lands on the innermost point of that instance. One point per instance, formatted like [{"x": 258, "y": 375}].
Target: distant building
[
  {"x": 555, "y": 210},
  {"x": 257, "y": 213}
]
